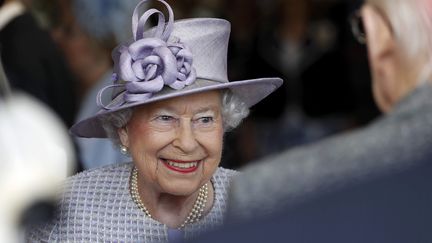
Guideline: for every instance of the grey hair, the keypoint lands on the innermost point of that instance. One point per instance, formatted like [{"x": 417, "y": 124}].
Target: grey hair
[
  {"x": 411, "y": 21},
  {"x": 234, "y": 110},
  {"x": 111, "y": 122}
]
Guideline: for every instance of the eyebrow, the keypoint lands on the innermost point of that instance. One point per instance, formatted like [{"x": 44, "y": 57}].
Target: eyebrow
[
  {"x": 206, "y": 109},
  {"x": 203, "y": 109}
]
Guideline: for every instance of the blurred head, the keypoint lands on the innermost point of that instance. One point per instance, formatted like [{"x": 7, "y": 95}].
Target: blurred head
[{"x": 399, "y": 45}]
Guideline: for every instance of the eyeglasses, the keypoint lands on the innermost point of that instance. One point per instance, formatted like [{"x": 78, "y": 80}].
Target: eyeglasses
[
  {"x": 357, "y": 24},
  {"x": 357, "y": 27}
]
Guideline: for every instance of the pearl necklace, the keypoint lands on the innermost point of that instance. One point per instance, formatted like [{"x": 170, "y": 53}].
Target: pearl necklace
[{"x": 194, "y": 215}]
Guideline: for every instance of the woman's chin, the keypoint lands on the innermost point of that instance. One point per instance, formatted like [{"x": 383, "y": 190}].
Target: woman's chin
[{"x": 181, "y": 187}]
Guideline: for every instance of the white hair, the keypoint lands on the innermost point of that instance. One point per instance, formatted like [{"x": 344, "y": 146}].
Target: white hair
[
  {"x": 411, "y": 22},
  {"x": 234, "y": 110}
]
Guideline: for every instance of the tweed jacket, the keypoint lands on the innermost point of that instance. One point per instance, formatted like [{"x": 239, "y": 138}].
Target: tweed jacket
[
  {"x": 394, "y": 142},
  {"x": 96, "y": 206}
]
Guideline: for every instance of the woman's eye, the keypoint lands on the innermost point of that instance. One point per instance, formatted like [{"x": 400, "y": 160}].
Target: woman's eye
[
  {"x": 205, "y": 120},
  {"x": 165, "y": 118}
]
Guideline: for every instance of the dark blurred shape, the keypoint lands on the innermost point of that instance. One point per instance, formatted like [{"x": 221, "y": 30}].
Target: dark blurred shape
[
  {"x": 245, "y": 61},
  {"x": 4, "y": 83},
  {"x": 338, "y": 82},
  {"x": 326, "y": 86},
  {"x": 87, "y": 32},
  {"x": 37, "y": 213},
  {"x": 34, "y": 65}
]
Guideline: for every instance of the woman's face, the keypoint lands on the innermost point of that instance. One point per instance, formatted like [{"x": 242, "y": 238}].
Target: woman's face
[{"x": 176, "y": 144}]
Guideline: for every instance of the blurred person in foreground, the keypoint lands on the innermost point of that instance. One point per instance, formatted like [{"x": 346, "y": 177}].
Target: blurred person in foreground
[
  {"x": 368, "y": 185},
  {"x": 171, "y": 104},
  {"x": 36, "y": 155}
]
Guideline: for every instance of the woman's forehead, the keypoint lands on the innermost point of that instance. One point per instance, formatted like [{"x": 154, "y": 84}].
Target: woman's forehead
[{"x": 199, "y": 102}]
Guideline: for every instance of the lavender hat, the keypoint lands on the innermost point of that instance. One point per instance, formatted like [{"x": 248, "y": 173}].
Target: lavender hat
[{"x": 170, "y": 60}]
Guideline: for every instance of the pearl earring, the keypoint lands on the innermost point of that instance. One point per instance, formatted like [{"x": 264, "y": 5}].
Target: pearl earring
[{"x": 123, "y": 149}]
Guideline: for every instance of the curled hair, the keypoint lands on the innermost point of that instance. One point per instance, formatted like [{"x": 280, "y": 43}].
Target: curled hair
[
  {"x": 111, "y": 122},
  {"x": 234, "y": 110}
]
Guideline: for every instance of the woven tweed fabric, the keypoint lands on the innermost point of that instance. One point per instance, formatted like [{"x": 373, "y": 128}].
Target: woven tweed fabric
[{"x": 97, "y": 207}]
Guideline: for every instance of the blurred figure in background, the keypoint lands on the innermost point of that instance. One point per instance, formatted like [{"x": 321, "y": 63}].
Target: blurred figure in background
[
  {"x": 36, "y": 155},
  {"x": 290, "y": 44},
  {"x": 304, "y": 42},
  {"x": 244, "y": 144},
  {"x": 87, "y": 31},
  {"x": 32, "y": 61},
  {"x": 371, "y": 183},
  {"x": 208, "y": 8}
]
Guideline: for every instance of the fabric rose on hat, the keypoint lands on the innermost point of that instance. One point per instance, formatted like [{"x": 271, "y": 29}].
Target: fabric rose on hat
[
  {"x": 143, "y": 67},
  {"x": 150, "y": 63},
  {"x": 186, "y": 74}
]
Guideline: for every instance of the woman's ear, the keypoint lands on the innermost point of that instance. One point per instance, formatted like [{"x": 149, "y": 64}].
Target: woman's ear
[
  {"x": 379, "y": 34},
  {"x": 123, "y": 135},
  {"x": 383, "y": 56}
]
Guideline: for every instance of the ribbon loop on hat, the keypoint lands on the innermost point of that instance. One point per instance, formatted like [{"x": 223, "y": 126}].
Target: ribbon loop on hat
[
  {"x": 149, "y": 63},
  {"x": 100, "y": 94},
  {"x": 163, "y": 29}
]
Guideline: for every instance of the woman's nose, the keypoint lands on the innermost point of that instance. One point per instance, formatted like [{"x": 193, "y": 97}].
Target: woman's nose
[{"x": 185, "y": 138}]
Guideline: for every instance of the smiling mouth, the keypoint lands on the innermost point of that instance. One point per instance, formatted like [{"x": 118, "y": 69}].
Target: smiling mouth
[{"x": 181, "y": 166}]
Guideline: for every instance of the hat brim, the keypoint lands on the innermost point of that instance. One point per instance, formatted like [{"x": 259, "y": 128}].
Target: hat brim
[{"x": 249, "y": 91}]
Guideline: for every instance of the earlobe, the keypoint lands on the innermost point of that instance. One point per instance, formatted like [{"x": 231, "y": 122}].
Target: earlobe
[{"x": 123, "y": 135}]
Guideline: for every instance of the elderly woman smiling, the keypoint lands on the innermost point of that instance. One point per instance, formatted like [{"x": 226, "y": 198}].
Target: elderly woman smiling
[
  {"x": 177, "y": 146},
  {"x": 171, "y": 103}
]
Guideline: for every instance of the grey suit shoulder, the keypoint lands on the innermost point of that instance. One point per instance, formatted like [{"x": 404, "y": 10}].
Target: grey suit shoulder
[{"x": 392, "y": 143}]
